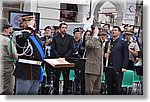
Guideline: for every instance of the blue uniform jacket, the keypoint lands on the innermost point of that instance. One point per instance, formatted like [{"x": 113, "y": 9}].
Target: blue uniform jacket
[{"x": 119, "y": 54}]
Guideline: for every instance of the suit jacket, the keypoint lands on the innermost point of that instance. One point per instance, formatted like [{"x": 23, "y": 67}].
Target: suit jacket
[
  {"x": 23, "y": 70},
  {"x": 94, "y": 56},
  {"x": 62, "y": 47},
  {"x": 119, "y": 54}
]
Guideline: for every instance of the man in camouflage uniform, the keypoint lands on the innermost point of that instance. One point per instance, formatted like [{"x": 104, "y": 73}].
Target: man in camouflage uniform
[{"x": 94, "y": 62}]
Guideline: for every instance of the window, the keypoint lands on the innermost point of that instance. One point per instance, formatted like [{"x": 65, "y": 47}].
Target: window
[
  {"x": 15, "y": 5},
  {"x": 68, "y": 12}
]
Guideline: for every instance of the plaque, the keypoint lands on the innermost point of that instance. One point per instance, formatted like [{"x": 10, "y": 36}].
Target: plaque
[{"x": 59, "y": 63}]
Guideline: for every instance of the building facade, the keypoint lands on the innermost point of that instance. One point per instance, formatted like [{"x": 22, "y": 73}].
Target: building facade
[{"x": 77, "y": 13}]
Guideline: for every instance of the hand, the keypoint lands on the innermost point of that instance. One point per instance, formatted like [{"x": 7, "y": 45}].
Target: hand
[
  {"x": 131, "y": 49},
  {"x": 123, "y": 69},
  {"x": 107, "y": 55},
  {"x": 137, "y": 59},
  {"x": 96, "y": 31}
]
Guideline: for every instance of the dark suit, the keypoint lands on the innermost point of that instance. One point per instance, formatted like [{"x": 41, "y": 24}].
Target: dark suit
[
  {"x": 118, "y": 59},
  {"x": 62, "y": 47}
]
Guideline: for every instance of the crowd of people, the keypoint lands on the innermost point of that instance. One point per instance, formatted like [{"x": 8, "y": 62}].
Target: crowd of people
[{"x": 109, "y": 51}]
